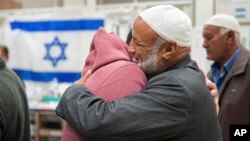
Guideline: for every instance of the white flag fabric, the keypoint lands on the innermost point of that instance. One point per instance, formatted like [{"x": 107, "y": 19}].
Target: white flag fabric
[{"x": 44, "y": 50}]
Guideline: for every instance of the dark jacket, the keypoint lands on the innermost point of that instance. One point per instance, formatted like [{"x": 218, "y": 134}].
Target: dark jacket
[
  {"x": 14, "y": 117},
  {"x": 174, "y": 106},
  {"x": 235, "y": 94}
]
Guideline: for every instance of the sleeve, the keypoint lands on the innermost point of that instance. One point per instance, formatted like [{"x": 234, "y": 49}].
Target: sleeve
[
  {"x": 159, "y": 111},
  {"x": 1, "y": 124},
  {"x": 2, "y": 117}
]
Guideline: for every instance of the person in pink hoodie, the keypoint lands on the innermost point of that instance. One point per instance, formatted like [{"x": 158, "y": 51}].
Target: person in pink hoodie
[{"x": 113, "y": 75}]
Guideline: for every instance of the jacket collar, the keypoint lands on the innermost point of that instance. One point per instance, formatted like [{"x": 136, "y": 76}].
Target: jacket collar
[
  {"x": 239, "y": 67},
  {"x": 2, "y": 63},
  {"x": 181, "y": 63}
]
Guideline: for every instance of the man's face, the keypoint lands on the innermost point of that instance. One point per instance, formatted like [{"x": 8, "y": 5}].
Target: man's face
[
  {"x": 3, "y": 56},
  {"x": 214, "y": 43},
  {"x": 142, "y": 47}
]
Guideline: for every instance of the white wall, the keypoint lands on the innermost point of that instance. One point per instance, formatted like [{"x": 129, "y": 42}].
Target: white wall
[
  {"x": 68, "y": 3},
  {"x": 203, "y": 11},
  {"x": 38, "y": 3}
]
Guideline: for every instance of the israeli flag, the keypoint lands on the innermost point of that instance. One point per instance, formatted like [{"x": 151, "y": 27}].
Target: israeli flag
[{"x": 48, "y": 49}]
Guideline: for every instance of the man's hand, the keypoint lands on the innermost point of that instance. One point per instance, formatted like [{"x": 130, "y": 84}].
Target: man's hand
[
  {"x": 214, "y": 92},
  {"x": 83, "y": 79}
]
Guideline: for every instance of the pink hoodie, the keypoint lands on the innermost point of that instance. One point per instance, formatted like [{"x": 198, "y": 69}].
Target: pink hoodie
[{"x": 113, "y": 77}]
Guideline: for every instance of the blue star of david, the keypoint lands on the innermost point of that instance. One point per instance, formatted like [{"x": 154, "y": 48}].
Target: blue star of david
[{"x": 55, "y": 59}]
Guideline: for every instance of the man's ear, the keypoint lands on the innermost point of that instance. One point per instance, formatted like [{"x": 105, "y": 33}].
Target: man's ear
[
  {"x": 168, "y": 50},
  {"x": 230, "y": 36}
]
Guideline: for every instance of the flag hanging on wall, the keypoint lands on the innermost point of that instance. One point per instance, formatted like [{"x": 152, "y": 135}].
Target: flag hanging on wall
[{"x": 44, "y": 50}]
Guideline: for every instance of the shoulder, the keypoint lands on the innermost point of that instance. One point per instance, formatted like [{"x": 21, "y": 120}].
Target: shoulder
[
  {"x": 129, "y": 73},
  {"x": 117, "y": 80},
  {"x": 242, "y": 63},
  {"x": 169, "y": 83},
  {"x": 185, "y": 83},
  {"x": 183, "y": 76},
  {"x": 131, "y": 68},
  {"x": 126, "y": 69},
  {"x": 244, "y": 56}
]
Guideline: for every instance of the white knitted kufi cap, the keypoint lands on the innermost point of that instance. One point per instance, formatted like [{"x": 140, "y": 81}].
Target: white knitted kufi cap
[
  {"x": 223, "y": 20},
  {"x": 170, "y": 23}
]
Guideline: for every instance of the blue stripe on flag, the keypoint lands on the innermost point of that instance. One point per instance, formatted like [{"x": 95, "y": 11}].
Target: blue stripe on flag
[
  {"x": 240, "y": 10},
  {"x": 65, "y": 25},
  {"x": 48, "y": 76},
  {"x": 240, "y": 16}
]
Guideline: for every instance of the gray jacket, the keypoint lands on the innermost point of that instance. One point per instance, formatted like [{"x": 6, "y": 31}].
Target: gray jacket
[
  {"x": 14, "y": 116},
  {"x": 175, "y": 105}
]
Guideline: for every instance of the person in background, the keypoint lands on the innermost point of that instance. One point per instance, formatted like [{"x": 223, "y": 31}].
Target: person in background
[
  {"x": 174, "y": 105},
  {"x": 4, "y": 53},
  {"x": 230, "y": 70},
  {"x": 14, "y": 112},
  {"x": 113, "y": 77}
]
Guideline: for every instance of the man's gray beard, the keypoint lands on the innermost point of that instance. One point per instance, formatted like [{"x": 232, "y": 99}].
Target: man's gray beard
[{"x": 151, "y": 66}]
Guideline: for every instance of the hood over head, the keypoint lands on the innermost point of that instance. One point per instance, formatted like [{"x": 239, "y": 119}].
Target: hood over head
[{"x": 105, "y": 48}]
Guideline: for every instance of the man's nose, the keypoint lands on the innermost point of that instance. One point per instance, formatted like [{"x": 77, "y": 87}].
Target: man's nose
[
  {"x": 204, "y": 44},
  {"x": 131, "y": 49}
]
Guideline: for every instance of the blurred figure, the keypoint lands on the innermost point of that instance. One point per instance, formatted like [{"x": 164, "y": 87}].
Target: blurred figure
[
  {"x": 4, "y": 53},
  {"x": 230, "y": 70},
  {"x": 14, "y": 114}
]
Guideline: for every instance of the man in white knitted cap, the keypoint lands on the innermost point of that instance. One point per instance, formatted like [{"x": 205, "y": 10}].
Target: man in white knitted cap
[
  {"x": 230, "y": 71},
  {"x": 175, "y": 105}
]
